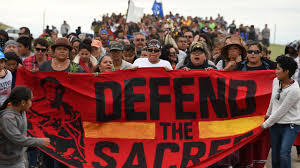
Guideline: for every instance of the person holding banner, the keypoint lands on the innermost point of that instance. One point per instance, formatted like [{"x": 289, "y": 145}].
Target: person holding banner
[
  {"x": 254, "y": 59},
  {"x": 116, "y": 52},
  {"x": 105, "y": 65},
  {"x": 232, "y": 53},
  {"x": 13, "y": 125},
  {"x": 283, "y": 117},
  {"x": 199, "y": 57},
  {"x": 154, "y": 50},
  {"x": 84, "y": 58},
  {"x": 254, "y": 153},
  {"x": 60, "y": 62}
]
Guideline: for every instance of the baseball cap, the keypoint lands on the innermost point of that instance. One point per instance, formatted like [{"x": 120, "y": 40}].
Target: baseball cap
[
  {"x": 104, "y": 31},
  {"x": 116, "y": 46},
  {"x": 196, "y": 46},
  {"x": 96, "y": 43},
  {"x": 2, "y": 56},
  {"x": 154, "y": 43}
]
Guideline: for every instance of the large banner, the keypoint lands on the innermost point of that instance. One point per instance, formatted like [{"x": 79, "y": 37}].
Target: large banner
[{"x": 148, "y": 117}]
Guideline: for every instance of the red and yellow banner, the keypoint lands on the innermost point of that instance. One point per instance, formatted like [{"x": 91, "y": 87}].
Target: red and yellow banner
[{"x": 148, "y": 117}]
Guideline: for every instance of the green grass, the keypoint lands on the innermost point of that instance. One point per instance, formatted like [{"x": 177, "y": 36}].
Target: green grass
[{"x": 276, "y": 50}]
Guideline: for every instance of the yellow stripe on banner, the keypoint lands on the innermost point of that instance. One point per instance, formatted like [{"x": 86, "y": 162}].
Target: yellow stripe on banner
[
  {"x": 125, "y": 130},
  {"x": 215, "y": 129}
]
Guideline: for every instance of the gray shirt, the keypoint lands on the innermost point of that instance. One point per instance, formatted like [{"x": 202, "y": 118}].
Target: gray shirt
[
  {"x": 5, "y": 86},
  {"x": 125, "y": 65},
  {"x": 13, "y": 137},
  {"x": 266, "y": 33}
]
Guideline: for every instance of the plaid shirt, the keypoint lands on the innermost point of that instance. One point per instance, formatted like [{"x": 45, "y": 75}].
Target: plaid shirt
[{"x": 30, "y": 63}]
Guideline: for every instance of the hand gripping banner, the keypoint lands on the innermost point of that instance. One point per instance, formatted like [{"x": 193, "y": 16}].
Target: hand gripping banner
[{"x": 148, "y": 117}]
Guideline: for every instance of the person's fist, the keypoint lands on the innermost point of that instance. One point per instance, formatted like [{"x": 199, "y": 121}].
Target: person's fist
[
  {"x": 167, "y": 69},
  {"x": 134, "y": 68},
  {"x": 186, "y": 68},
  {"x": 46, "y": 141}
]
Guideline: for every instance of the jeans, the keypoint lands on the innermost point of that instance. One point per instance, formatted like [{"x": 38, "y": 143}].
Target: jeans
[
  {"x": 266, "y": 42},
  {"x": 49, "y": 162},
  {"x": 32, "y": 155},
  {"x": 282, "y": 139}
]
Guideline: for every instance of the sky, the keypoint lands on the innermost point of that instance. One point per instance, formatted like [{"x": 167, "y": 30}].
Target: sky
[{"x": 281, "y": 14}]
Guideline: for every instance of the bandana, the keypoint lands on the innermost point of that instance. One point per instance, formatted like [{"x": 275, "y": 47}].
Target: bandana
[{"x": 88, "y": 69}]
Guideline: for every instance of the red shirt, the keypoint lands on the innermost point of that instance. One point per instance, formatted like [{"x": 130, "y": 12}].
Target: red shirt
[{"x": 30, "y": 63}]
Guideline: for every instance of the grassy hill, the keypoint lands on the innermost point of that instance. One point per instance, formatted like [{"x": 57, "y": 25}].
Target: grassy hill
[
  {"x": 4, "y": 26},
  {"x": 276, "y": 50}
]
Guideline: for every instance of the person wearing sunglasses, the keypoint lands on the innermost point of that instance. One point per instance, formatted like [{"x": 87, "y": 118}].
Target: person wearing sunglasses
[
  {"x": 139, "y": 42},
  {"x": 254, "y": 59},
  {"x": 189, "y": 35},
  {"x": 154, "y": 52},
  {"x": 253, "y": 151},
  {"x": 33, "y": 62},
  {"x": 283, "y": 117}
]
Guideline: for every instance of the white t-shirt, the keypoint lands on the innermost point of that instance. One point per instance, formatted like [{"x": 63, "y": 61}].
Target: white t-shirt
[
  {"x": 5, "y": 86},
  {"x": 144, "y": 62}
]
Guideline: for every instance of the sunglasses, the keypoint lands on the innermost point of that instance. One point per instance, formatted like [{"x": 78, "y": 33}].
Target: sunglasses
[
  {"x": 41, "y": 49},
  {"x": 278, "y": 93},
  {"x": 140, "y": 39},
  {"x": 188, "y": 37},
  {"x": 253, "y": 51},
  {"x": 155, "y": 50}
]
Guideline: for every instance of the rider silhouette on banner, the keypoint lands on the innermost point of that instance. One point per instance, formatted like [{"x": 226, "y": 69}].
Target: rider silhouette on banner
[{"x": 52, "y": 117}]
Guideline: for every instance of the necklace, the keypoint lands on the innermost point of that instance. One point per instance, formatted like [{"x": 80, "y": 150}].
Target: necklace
[{"x": 60, "y": 65}]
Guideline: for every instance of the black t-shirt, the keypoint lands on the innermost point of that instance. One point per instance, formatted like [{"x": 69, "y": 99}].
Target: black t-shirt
[
  {"x": 239, "y": 67},
  {"x": 261, "y": 67}
]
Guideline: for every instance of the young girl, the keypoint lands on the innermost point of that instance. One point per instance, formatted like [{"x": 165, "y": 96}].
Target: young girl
[
  {"x": 13, "y": 126},
  {"x": 5, "y": 79},
  {"x": 85, "y": 58}
]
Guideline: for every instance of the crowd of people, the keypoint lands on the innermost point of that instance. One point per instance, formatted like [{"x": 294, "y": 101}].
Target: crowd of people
[{"x": 172, "y": 42}]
